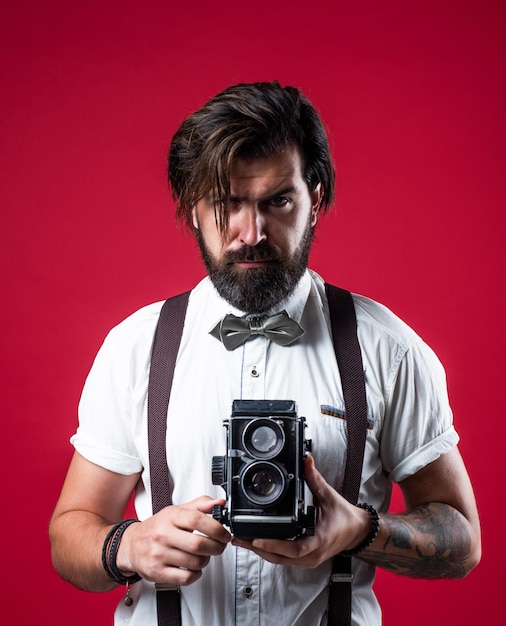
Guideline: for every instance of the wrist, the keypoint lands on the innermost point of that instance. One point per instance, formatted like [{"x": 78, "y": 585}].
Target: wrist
[
  {"x": 372, "y": 534},
  {"x": 125, "y": 555},
  {"x": 110, "y": 552}
]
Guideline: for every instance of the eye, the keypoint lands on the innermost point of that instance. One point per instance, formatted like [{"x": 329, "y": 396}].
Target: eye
[
  {"x": 233, "y": 204},
  {"x": 279, "y": 201}
]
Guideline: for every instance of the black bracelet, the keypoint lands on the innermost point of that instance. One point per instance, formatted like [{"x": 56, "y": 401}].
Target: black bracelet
[
  {"x": 372, "y": 533},
  {"x": 110, "y": 550}
]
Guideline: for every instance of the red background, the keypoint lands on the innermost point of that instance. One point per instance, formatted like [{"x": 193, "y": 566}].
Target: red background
[{"x": 413, "y": 96}]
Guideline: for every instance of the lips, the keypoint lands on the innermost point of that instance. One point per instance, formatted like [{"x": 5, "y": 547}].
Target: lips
[{"x": 252, "y": 264}]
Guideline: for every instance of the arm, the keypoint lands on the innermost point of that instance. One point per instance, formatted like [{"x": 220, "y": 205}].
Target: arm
[
  {"x": 164, "y": 548},
  {"x": 437, "y": 537}
]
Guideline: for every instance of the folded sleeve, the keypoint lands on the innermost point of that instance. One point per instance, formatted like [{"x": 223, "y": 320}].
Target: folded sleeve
[
  {"x": 418, "y": 424},
  {"x": 112, "y": 409}
]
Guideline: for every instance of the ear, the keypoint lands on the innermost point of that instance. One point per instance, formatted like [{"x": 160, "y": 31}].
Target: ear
[
  {"x": 195, "y": 219},
  {"x": 316, "y": 198}
]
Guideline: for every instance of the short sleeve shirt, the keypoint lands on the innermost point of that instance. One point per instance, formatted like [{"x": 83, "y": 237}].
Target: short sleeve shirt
[{"x": 410, "y": 425}]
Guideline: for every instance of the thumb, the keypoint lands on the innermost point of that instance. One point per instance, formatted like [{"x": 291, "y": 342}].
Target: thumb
[{"x": 318, "y": 486}]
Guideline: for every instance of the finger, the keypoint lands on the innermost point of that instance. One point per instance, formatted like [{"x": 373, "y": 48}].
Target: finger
[
  {"x": 178, "y": 558},
  {"x": 197, "y": 526},
  {"x": 278, "y": 550},
  {"x": 204, "y": 504},
  {"x": 265, "y": 554},
  {"x": 180, "y": 577},
  {"x": 318, "y": 486},
  {"x": 173, "y": 575},
  {"x": 178, "y": 549},
  {"x": 201, "y": 542}
]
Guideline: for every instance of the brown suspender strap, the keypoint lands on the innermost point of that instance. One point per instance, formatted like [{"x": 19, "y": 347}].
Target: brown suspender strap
[
  {"x": 163, "y": 362},
  {"x": 349, "y": 359}
]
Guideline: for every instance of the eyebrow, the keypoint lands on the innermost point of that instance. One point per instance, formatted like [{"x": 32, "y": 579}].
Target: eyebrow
[{"x": 274, "y": 194}]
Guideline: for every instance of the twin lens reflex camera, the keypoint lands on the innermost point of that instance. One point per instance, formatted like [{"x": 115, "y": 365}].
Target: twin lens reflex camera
[{"x": 263, "y": 471}]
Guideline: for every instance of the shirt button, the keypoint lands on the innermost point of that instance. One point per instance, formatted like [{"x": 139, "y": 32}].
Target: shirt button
[
  {"x": 254, "y": 372},
  {"x": 248, "y": 591}
]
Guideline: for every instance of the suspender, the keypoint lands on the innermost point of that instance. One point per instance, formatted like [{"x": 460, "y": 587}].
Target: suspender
[
  {"x": 349, "y": 360},
  {"x": 165, "y": 348},
  {"x": 163, "y": 362}
]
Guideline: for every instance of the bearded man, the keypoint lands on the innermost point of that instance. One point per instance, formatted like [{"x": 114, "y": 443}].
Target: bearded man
[{"x": 252, "y": 175}]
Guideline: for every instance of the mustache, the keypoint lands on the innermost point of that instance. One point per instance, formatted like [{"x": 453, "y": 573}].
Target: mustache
[{"x": 260, "y": 252}]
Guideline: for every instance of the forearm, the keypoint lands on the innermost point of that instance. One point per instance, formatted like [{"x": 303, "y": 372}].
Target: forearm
[
  {"x": 432, "y": 541},
  {"x": 77, "y": 538}
]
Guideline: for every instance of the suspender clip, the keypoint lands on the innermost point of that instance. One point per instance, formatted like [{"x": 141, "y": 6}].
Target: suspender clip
[
  {"x": 166, "y": 587},
  {"x": 341, "y": 578}
]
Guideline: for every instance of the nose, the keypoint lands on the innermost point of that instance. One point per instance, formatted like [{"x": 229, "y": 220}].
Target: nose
[{"x": 250, "y": 224}]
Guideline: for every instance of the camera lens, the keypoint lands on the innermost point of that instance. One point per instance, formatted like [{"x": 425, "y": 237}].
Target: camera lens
[
  {"x": 263, "y": 438},
  {"x": 263, "y": 483}
]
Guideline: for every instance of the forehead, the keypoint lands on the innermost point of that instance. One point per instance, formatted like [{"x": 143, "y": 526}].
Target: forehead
[{"x": 284, "y": 167}]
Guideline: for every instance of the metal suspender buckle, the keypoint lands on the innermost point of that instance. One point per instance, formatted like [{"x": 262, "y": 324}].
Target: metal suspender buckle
[
  {"x": 342, "y": 577},
  {"x": 166, "y": 587}
]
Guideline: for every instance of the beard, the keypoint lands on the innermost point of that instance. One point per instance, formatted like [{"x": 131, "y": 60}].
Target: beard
[{"x": 256, "y": 290}]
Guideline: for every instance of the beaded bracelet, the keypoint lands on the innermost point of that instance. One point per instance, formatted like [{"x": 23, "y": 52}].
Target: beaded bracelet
[
  {"x": 110, "y": 551},
  {"x": 372, "y": 533}
]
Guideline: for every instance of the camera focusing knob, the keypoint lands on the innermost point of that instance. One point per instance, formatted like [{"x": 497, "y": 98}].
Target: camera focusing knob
[
  {"x": 219, "y": 514},
  {"x": 218, "y": 470}
]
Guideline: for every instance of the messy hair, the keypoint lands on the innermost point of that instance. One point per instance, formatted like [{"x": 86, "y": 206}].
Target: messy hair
[{"x": 245, "y": 121}]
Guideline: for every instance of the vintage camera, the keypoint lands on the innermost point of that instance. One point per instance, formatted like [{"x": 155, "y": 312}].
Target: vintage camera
[{"x": 263, "y": 471}]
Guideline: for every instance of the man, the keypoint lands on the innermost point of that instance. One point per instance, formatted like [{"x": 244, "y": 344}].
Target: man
[{"x": 251, "y": 173}]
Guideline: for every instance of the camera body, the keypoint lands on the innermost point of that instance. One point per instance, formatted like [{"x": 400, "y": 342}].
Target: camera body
[{"x": 263, "y": 471}]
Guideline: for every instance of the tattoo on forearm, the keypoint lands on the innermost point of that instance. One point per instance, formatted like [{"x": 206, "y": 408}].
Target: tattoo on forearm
[{"x": 432, "y": 541}]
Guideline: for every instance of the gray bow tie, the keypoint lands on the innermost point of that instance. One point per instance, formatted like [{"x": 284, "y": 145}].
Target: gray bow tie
[{"x": 233, "y": 331}]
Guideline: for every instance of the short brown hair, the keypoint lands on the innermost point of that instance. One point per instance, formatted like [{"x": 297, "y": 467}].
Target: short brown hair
[{"x": 251, "y": 121}]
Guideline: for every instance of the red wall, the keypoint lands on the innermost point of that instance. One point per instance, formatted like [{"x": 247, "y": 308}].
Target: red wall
[{"x": 413, "y": 95}]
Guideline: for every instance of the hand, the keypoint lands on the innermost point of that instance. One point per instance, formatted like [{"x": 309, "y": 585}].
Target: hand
[
  {"x": 339, "y": 526},
  {"x": 174, "y": 545}
]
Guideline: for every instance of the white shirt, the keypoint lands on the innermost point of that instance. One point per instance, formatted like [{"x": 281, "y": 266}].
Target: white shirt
[{"x": 408, "y": 410}]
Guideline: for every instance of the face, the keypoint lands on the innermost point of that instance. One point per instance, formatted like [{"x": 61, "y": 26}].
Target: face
[{"x": 265, "y": 250}]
